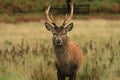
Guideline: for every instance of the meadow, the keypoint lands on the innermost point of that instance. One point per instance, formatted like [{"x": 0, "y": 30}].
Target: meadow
[{"x": 26, "y": 51}]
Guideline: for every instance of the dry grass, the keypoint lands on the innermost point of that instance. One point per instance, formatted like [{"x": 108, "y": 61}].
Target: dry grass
[
  {"x": 26, "y": 51},
  {"x": 88, "y": 28}
]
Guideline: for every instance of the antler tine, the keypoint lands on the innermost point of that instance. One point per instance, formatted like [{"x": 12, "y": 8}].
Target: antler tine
[
  {"x": 67, "y": 19},
  {"x": 66, "y": 16},
  {"x": 50, "y": 19}
]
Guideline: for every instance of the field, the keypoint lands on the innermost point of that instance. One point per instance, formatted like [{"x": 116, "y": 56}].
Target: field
[{"x": 26, "y": 51}]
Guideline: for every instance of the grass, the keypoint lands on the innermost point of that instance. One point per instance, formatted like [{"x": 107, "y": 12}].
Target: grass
[{"x": 26, "y": 50}]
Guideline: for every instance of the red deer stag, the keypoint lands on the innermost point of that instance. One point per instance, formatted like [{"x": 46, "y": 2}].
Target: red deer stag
[{"x": 68, "y": 54}]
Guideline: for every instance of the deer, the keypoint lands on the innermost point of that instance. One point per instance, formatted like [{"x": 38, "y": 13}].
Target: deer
[{"x": 68, "y": 55}]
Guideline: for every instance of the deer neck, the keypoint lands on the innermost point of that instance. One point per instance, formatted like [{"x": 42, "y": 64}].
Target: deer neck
[{"x": 60, "y": 51}]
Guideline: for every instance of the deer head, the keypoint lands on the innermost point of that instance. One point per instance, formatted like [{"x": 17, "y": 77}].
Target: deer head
[{"x": 59, "y": 32}]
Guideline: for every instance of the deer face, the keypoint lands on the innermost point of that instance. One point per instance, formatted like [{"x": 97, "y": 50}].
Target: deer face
[{"x": 59, "y": 33}]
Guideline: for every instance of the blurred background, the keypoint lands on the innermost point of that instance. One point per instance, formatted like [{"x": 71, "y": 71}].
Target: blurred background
[
  {"x": 20, "y": 8},
  {"x": 26, "y": 51}
]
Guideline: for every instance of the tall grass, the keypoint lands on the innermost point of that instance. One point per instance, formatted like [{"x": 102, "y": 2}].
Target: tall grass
[{"x": 27, "y": 54}]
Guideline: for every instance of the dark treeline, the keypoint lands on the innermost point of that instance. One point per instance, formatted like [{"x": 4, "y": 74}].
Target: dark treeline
[{"x": 34, "y": 6}]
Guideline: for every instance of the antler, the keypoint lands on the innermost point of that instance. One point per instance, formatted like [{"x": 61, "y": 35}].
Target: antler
[
  {"x": 50, "y": 18},
  {"x": 67, "y": 19}
]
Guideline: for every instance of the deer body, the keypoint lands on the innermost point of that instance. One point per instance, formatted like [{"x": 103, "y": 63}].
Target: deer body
[
  {"x": 68, "y": 59},
  {"x": 68, "y": 54}
]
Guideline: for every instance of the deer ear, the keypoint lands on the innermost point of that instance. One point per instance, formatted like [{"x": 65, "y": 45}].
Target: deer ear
[
  {"x": 48, "y": 26},
  {"x": 69, "y": 27}
]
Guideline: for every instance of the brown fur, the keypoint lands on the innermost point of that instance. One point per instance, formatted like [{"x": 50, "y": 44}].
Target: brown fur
[
  {"x": 68, "y": 59},
  {"x": 68, "y": 54}
]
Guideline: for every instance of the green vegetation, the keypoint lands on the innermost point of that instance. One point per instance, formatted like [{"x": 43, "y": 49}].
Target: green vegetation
[
  {"x": 26, "y": 51},
  {"x": 12, "y": 11},
  {"x": 36, "y": 6}
]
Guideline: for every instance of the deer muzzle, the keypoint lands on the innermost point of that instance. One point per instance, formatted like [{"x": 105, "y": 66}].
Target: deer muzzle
[{"x": 58, "y": 41}]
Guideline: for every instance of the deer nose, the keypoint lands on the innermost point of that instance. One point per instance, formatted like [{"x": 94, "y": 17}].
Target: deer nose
[{"x": 58, "y": 41}]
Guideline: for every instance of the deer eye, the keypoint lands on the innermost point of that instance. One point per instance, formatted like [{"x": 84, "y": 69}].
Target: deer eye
[
  {"x": 64, "y": 32},
  {"x": 54, "y": 33}
]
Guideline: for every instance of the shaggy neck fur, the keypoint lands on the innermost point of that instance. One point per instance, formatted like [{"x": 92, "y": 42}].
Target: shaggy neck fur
[{"x": 60, "y": 51}]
